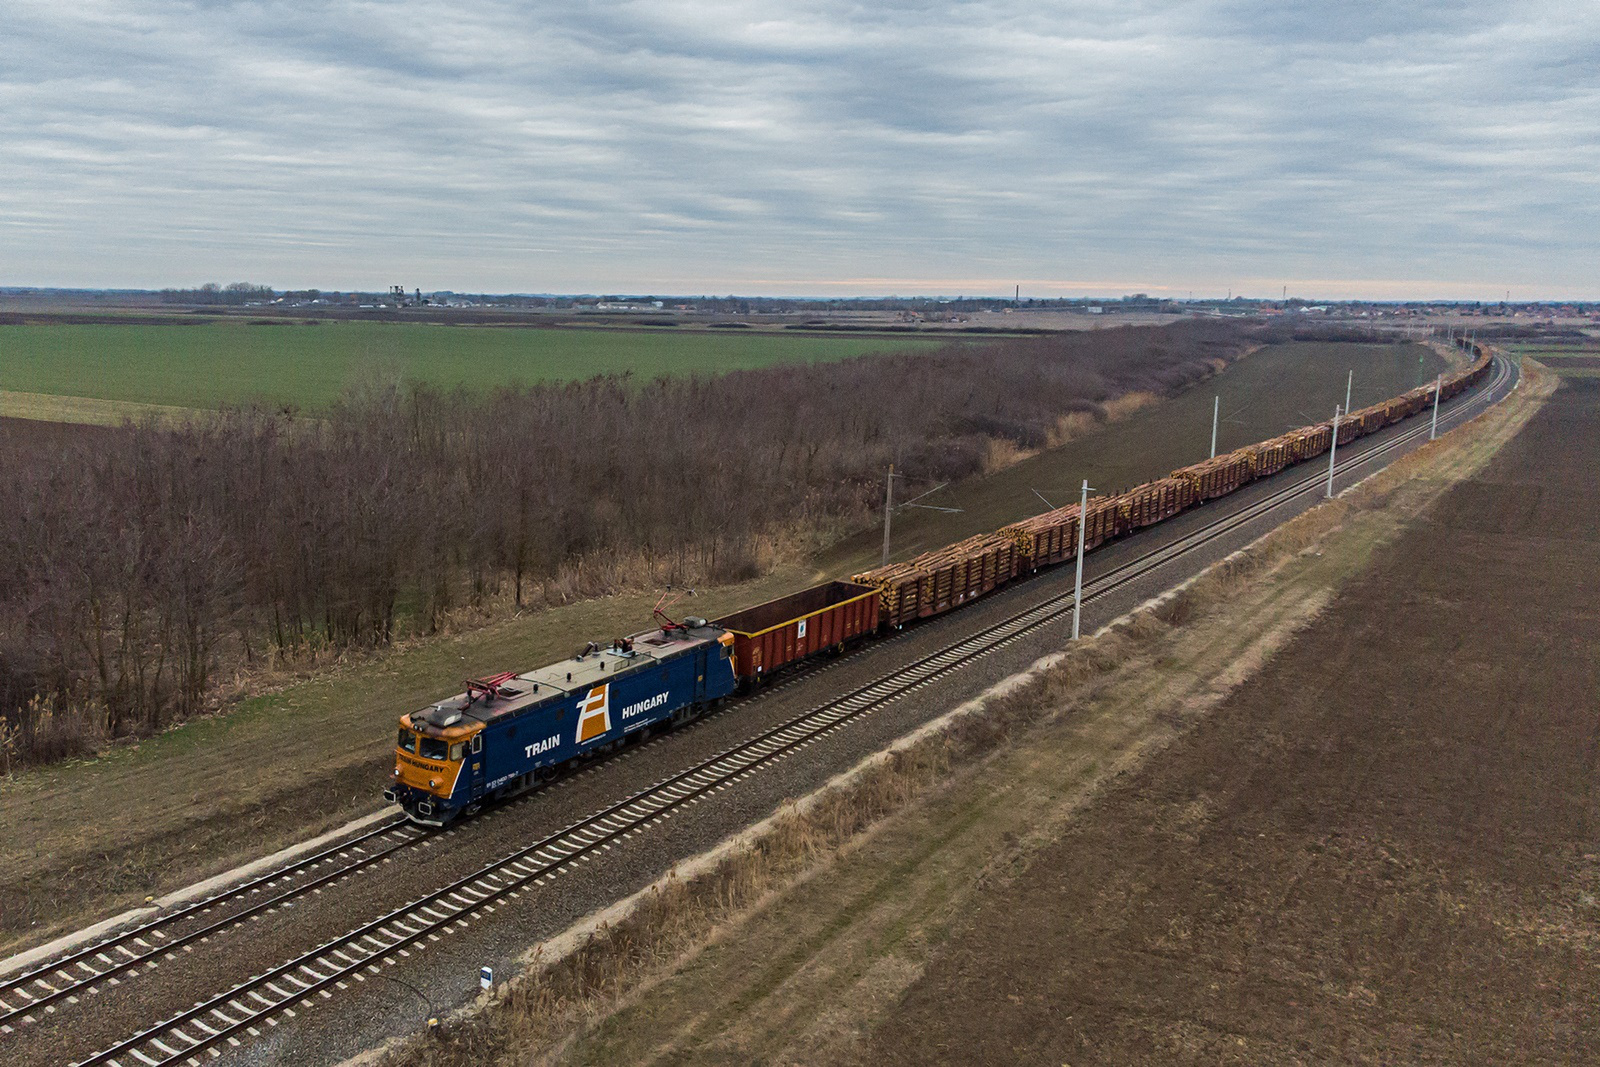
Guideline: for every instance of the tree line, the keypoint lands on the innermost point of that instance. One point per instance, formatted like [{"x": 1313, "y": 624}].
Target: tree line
[
  {"x": 138, "y": 563},
  {"x": 234, "y": 293}
]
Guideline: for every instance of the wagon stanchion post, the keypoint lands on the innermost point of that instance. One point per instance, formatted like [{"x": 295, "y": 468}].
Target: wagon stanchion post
[
  {"x": 1077, "y": 582},
  {"x": 1433, "y": 430},
  {"x": 1333, "y": 450}
]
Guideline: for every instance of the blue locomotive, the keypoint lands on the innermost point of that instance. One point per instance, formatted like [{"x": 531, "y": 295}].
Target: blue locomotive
[{"x": 511, "y": 731}]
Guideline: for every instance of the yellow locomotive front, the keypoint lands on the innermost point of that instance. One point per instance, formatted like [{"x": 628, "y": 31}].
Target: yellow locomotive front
[{"x": 429, "y": 761}]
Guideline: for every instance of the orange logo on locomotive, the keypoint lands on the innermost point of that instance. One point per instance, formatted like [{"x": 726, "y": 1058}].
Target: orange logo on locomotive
[{"x": 594, "y": 714}]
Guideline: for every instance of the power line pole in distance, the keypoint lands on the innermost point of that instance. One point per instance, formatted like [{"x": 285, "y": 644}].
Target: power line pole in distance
[
  {"x": 1333, "y": 450},
  {"x": 1077, "y": 582}
]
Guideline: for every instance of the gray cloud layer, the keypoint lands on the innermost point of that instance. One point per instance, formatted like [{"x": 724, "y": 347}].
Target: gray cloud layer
[{"x": 1364, "y": 147}]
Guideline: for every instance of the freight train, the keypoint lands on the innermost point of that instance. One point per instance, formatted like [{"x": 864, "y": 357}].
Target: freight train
[{"x": 510, "y": 732}]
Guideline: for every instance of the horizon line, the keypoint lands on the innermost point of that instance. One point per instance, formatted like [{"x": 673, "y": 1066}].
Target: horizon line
[{"x": 1157, "y": 292}]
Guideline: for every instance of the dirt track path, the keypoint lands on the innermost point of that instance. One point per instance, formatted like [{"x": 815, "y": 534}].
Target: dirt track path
[{"x": 1382, "y": 849}]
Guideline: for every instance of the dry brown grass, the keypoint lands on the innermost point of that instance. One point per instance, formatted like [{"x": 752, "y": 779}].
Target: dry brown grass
[
  {"x": 1120, "y": 407},
  {"x": 1071, "y": 426}
]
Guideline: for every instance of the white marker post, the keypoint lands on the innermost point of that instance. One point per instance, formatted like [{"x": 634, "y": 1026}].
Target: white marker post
[
  {"x": 1333, "y": 449},
  {"x": 1433, "y": 430},
  {"x": 1077, "y": 583},
  {"x": 1216, "y": 408}
]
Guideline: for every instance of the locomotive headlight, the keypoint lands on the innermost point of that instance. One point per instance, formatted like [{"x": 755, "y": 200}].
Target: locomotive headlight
[{"x": 433, "y": 783}]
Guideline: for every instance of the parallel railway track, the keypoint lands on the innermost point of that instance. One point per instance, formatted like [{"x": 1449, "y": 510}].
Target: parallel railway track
[
  {"x": 225, "y": 1020},
  {"x": 25, "y": 996}
]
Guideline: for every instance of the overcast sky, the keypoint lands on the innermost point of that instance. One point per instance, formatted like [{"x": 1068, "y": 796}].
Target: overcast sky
[{"x": 1376, "y": 148}]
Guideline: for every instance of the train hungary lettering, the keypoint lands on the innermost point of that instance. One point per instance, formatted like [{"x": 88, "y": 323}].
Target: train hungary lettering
[
  {"x": 541, "y": 746},
  {"x": 644, "y": 705}
]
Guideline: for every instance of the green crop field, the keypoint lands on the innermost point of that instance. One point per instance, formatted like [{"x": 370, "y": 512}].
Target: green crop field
[{"x": 211, "y": 364}]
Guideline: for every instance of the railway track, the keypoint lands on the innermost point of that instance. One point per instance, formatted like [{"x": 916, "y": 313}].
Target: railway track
[
  {"x": 227, "y": 1019},
  {"x": 64, "y": 979},
  {"x": 24, "y": 996}
]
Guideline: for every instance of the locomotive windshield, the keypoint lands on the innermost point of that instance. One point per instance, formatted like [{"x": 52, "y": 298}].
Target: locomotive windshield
[{"x": 428, "y": 747}]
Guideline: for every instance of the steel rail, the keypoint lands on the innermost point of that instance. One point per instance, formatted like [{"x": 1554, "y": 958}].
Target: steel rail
[{"x": 257, "y": 1001}]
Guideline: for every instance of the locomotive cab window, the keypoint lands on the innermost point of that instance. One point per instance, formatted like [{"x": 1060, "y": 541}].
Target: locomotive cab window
[
  {"x": 408, "y": 740},
  {"x": 457, "y": 749},
  {"x": 433, "y": 748}
]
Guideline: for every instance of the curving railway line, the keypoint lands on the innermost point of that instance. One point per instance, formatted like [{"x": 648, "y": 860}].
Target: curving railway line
[{"x": 240, "y": 1012}]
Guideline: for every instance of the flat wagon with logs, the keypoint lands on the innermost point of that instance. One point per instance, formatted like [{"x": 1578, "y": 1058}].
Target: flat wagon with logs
[
  {"x": 1053, "y": 536},
  {"x": 938, "y": 581},
  {"x": 1219, "y": 475}
]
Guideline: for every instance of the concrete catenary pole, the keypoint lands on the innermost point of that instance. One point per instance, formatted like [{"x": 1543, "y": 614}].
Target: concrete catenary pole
[
  {"x": 1216, "y": 408},
  {"x": 1433, "y": 430},
  {"x": 1077, "y": 582},
  {"x": 1333, "y": 450},
  {"x": 1349, "y": 383},
  {"x": 888, "y": 507}
]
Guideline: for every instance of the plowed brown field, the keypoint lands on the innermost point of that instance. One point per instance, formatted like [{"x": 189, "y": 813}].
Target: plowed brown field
[{"x": 1381, "y": 849}]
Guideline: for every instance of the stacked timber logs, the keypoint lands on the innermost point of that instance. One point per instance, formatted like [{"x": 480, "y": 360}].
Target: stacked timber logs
[
  {"x": 1311, "y": 440},
  {"x": 1147, "y": 504},
  {"x": 1219, "y": 475},
  {"x": 1053, "y": 536},
  {"x": 1270, "y": 457},
  {"x": 946, "y": 578}
]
